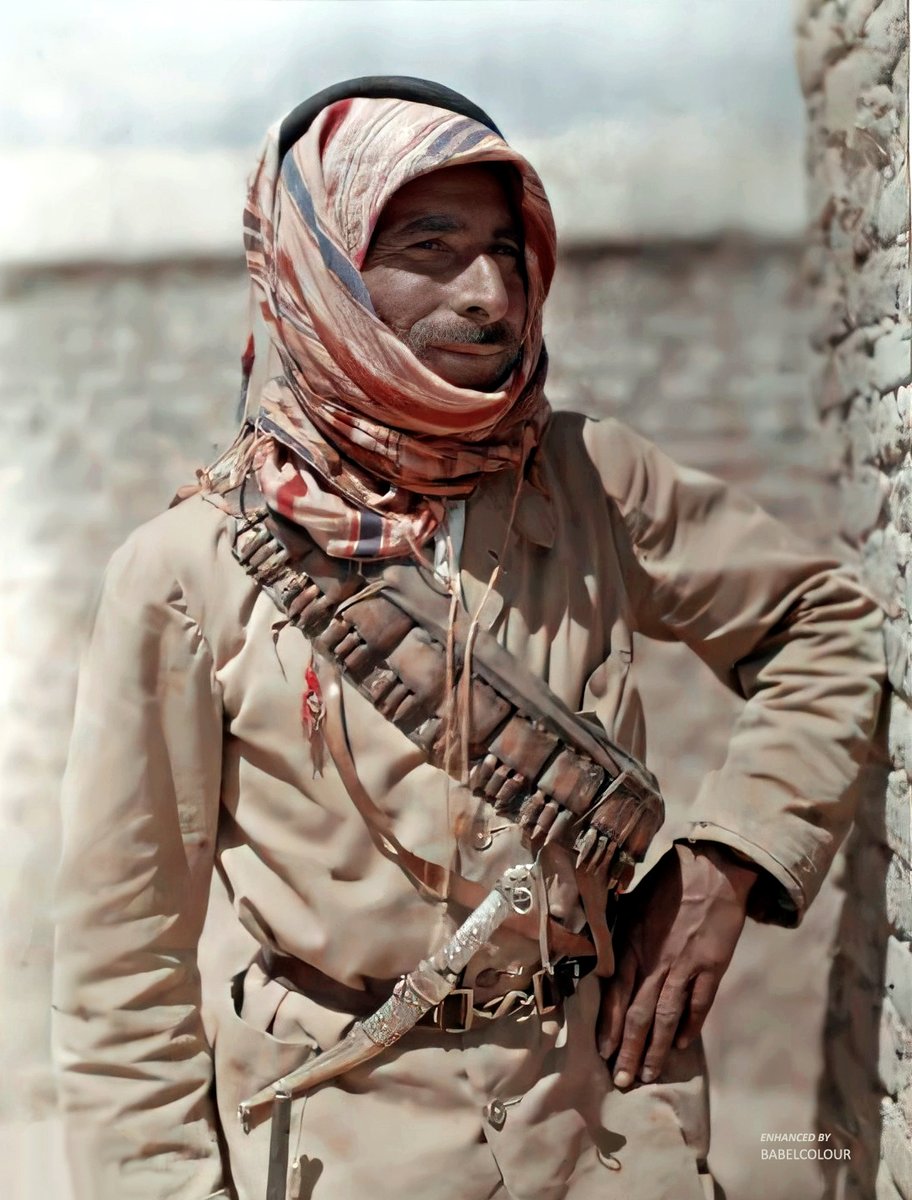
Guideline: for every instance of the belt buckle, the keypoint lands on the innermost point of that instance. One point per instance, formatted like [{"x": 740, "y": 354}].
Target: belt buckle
[
  {"x": 546, "y": 992},
  {"x": 456, "y": 1007}
]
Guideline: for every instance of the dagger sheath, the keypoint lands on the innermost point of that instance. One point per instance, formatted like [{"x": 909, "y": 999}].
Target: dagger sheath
[{"x": 415, "y": 994}]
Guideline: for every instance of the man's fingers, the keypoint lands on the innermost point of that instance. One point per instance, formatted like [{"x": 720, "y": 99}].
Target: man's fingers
[
  {"x": 615, "y": 998},
  {"x": 701, "y": 997},
  {"x": 637, "y": 1024},
  {"x": 668, "y": 1012}
]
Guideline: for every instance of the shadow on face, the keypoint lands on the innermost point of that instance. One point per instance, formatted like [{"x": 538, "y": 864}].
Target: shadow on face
[{"x": 445, "y": 271}]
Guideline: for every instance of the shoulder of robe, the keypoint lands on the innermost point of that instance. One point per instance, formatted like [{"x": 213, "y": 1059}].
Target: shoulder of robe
[
  {"x": 569, "y": 430},
  {"x": 181, "y": 556},
  {"x": 622, "y": 458}
]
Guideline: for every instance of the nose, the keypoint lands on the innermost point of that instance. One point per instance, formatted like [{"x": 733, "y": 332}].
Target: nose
[{"x": 480, "y": 291}]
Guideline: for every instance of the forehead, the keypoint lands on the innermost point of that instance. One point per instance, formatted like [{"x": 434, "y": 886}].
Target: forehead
[{"x": 469, "y": 195}]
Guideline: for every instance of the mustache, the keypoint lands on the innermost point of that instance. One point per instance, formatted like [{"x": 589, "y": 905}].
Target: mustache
[{"x": 454, "y": 333}]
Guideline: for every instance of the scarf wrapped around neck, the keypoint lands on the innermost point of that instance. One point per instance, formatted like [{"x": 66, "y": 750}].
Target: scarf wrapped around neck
[{"x": 355, "y": 439}]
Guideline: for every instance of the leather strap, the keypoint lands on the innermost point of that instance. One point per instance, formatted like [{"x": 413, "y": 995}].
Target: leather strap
[
  {"x": 545, "y": 990},
  {"x": 432, "y": 881}
]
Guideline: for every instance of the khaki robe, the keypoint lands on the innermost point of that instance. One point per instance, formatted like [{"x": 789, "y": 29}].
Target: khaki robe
[{"x": 188, "y": 753}]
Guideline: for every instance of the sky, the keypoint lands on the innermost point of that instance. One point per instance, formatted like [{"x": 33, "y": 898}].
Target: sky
[
  {"x": 201, "y": 74},
  {"x": 130, "y": 127}
]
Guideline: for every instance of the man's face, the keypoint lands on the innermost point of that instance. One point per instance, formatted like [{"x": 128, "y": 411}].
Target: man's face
[{"x": 445, "y": 272}]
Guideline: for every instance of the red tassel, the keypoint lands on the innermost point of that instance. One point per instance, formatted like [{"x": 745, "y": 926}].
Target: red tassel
[
  {"x": 311, "y": 703},
  {"x": 312, "y": 714}
]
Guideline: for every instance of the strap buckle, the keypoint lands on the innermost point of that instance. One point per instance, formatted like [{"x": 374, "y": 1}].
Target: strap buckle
[
  {"x": 546, "y": 991},
  {"x": 551, "y": 988},
  {"x": 454, "y": 1013}
]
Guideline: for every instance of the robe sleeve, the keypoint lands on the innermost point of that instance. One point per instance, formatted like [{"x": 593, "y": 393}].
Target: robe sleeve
[
  {"x": 789, "y": 629},
  {"x": 140, "y": 807}
]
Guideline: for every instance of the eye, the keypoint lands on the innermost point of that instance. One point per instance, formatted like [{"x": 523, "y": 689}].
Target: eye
[{"x": 507, "y": 250}]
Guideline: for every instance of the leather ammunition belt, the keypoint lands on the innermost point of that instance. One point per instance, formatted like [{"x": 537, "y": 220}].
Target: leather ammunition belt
[{"x": 555, "y": 774}]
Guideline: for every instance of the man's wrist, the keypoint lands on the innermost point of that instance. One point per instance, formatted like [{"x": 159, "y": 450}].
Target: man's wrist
[{"x": 740, "y": 871}]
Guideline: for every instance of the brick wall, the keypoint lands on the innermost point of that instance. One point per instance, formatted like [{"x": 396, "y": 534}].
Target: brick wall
[{"x": 854, "y": 64}]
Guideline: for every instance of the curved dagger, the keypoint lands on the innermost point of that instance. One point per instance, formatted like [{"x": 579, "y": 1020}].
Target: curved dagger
[{"x": 415, "y": 994}]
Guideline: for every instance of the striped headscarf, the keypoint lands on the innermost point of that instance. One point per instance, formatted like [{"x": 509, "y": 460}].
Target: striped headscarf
[{"x": 355, "y": 439}]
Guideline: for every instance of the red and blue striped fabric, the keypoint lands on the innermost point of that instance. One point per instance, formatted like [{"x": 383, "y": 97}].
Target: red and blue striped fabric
[{"x": 355, "y": 439}]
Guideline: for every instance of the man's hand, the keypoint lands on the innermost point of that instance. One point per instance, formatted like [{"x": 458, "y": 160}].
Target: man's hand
[{"x": 674, "y": 940}]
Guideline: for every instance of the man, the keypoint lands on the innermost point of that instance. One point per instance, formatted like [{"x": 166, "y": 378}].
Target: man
[{"x": 350, "y": 802}]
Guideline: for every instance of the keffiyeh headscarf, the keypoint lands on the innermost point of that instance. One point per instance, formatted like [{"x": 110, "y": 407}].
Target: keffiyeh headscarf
[{"x": 355, "y": 439}]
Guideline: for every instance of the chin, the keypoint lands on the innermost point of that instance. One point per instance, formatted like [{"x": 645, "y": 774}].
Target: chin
[
  {"x": 490, "y": 384},
  {"x": 475, "y": 380}
]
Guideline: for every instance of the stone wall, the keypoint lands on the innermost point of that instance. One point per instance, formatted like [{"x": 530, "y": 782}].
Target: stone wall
[
  {"x": 117, "y": 382},
  {"x": 854, "y": 64}
]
